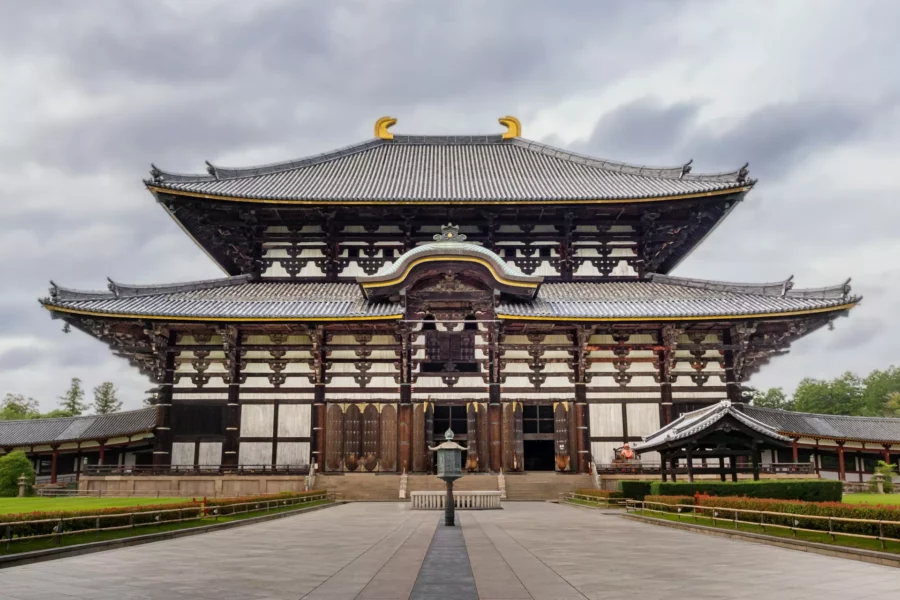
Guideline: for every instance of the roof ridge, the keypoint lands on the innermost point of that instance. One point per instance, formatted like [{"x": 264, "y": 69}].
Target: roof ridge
[
  {"x": 808, "y": 414},
  {"x": 77, "y": 417},
  {"x": 122, "y": 290}
]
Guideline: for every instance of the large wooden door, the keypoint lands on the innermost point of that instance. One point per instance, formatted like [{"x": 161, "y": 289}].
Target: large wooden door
[
  {"x": 334, "y": 438},
  {"x": 352, "y": 437},
  {"x": 370, "y": 422},
  {"x": 472, "y": 457},
  {"x": 483, "y": 441},
  {"x": 418, "y": 438},
  {"x": 561, "y": 435},
  {"x": 388, "y": 444}
]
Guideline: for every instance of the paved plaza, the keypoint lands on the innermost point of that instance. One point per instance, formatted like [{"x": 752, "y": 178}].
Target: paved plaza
[{"x": 384, "y": 550}]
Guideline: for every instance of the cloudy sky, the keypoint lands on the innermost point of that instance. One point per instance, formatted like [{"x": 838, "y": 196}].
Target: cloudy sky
[{"x": 94, "y": 91}]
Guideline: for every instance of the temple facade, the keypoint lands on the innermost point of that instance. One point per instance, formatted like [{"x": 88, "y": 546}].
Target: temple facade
[{"x": 377, "y": 295}]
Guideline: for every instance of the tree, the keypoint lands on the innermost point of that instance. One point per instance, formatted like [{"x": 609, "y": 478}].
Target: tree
[
  {"x": 105, "y": 400},
  {"x": 771, "y": 398},
  {"x": 892, "y": 406},
  {"x": 13, "y": 466},
  {"x": 16, "y": 407},
  {"x": 72, "y": 402},
  {"x": 879, "y": 386},
  {"x": 841, "y": 396}
]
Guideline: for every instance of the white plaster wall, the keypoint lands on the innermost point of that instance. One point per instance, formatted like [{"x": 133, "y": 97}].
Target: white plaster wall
[
  {"x": 255, "y": 453},
  {"x": 257, "y": 420},
  {"x": 293, "y": 421},
  {"x": 183, "y": 454},
  {"x": 643, "y": 419},
  {"x": 604, "y": 452},
  {"x": 210, "y": 454},
  {"x": 606, "y": 420},
  {"x": 293, "y": 453}
]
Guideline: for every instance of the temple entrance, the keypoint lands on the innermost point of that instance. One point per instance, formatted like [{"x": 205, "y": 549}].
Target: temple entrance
[
  {"x": 540, "y": 455},
  {"x": 451, "y": 417}
]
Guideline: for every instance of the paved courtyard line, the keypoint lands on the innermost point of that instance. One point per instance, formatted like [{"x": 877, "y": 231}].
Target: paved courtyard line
[
  {"x": 493, "y": 576},
  {"x": 446, "y": 572},
  {"x": 396, "y": 578}
]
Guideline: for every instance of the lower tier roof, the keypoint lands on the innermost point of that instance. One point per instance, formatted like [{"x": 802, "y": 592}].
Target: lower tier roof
[
  {"x": 35, "y": 432},
  {"x": 837, "y": 427},
  {"x": 239, "y": 298}
]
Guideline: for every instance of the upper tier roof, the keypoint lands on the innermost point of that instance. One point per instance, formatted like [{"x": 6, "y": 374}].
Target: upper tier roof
[
  {"x": 664, "y": 298},
  {"x": 840, "y": 427},
  {"x": 468, "y": 169},
  {"x": 35, "y": 432}
]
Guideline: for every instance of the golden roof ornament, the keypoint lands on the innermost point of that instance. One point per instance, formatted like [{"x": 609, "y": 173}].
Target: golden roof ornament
[
  {"x": 513, "y": 127},
  {"x": 449, "y": 233},
  {"x": 381, "y": 128}
]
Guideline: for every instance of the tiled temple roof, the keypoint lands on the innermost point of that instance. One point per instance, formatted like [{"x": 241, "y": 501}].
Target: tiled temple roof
[
  {"x": 696, "y": 421},
  {"x": 35, "y": 432},
  {"x": 479, "y": 168},
  {"x": 840, "y": 427},
  {"x": 241, "y": 298}
]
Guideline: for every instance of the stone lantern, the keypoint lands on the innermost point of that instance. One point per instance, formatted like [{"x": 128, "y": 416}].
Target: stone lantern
[{"x": 449, "y": 468}]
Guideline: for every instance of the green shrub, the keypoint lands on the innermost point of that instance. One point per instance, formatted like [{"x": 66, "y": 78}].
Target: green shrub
[
  {"x": 797, "y": 510},
  {"x": 810, "y": 490},
  {"x": 887, "y": 470},
  {"x": 13, "y": 466},
  {"x": 634, "y": 490},
  {"x": 670, "y": 502}
]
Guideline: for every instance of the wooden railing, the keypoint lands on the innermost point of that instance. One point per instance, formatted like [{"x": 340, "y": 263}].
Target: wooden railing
[
  {"x": 148, "y": 470},
  {"x": 39, "y": 529},
  {"x": 598, "y": 500},
  {"x": 715, "y": 513},
  {"x": 474, "y": 500}
]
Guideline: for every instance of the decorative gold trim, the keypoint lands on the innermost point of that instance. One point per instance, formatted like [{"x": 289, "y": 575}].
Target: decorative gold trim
[
  {"x": 91, "y": 313},
  {"x": 454, "y": 258},
  {"x": 513, "y": 127},
  {"x": 691, "y": 318},
  {"x": 157, "y": 189},
  {"x": 381, "y": 128}
]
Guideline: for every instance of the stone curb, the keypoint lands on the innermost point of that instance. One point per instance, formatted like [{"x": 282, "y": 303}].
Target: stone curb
[
  {"x": 860, "y": 554},
  {"x": 25, "y": 558}
]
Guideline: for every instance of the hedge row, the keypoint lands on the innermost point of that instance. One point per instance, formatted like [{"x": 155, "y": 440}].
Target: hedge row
[
  {"x": 634, "y": 490},
  {"x": 670, "y": 502},
  {"x": 798, "y": 510},
  {"x": 121, "y": 516},
  {"x": 608, "y": 494},
  {"x": 809, "y": 490}
]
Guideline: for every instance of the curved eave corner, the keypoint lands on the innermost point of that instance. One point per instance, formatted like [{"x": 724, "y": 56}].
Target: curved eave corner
[{"x": 56, "y": 311}]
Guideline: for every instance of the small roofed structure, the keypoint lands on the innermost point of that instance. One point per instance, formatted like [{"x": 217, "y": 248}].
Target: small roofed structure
[{"x": 718, "y": 432}]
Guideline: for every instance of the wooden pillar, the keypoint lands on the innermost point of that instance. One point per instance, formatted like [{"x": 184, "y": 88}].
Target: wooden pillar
[
  {"x": 887, "y": 453},
  {"x": 690, "y": 463},
  {"x": 860, "y": 465},
  {"x": 734, "y": 473},
  {"x": 674, "y": 463},
  {"x": 666, "y": 335},
  {"x": 495, "y": 419},
  {"x": 794, "y": 450},
  {"x": 78, "y": 464},
  {"x": 842, "y": 472},
  {"x": 733, "y": 386},
  {"x": 662, "y": 465},
  {"x": 319, "y": 431},
  {"x": 722, "y": 468},
  {"x": 756, "y": 461},
  {"x": 816, "y": 458},
  {"x": 404, "y": 437},
  {"x": 231, "y": 337},
  {"x": 162, "y": 433},
  {"x": 102, "y": 452},
  {"x": 582, "y": 430},
  {"x": 53, "y": 458}
]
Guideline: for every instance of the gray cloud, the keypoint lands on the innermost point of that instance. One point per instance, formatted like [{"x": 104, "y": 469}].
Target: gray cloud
[{"x": 98, "y": 90}]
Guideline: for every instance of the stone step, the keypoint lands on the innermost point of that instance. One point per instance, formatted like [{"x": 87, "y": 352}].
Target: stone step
[
  {"x": 543, "y": 486},
  {"x": 481, "y": 482}
]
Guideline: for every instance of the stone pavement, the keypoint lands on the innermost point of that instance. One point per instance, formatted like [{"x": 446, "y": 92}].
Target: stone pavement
[{"x": 384, "y": 551}]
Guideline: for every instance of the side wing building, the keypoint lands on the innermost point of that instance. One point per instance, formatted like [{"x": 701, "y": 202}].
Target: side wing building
[{"x": 376, "y": 295}]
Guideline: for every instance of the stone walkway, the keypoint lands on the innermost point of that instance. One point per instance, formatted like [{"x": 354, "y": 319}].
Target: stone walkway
[{"x": 385, "y": 551}]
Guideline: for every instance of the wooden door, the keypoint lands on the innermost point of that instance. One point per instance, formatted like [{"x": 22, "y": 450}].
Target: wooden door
[
  {"x": 388, "y": 446},
  {"x": 370, "y": 439},
  {"x": 508, "y": 436},
  {"x": 334, "y": 438},
  {"x": 483, "y": 441},
  {"x": 561, "y": 435},
  {"x": 352, "y": 437},
  {"x": 472, "y": 436},
  {"x": 418, "y": 438}
]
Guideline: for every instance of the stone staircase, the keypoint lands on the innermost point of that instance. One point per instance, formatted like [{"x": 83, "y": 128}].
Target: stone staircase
[
  {"x": 472, "y": 482},
  {"x": 538, "y": 485}
]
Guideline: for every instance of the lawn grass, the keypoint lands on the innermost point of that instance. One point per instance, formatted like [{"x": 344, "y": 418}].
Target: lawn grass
[
  {"x": 16, "y": 547},
  {"x": 34, "y": 504},
  {"x": 822, "y": 538},
  {"x": 592, "y": 503},
  {"x": 885, "y": 499}
]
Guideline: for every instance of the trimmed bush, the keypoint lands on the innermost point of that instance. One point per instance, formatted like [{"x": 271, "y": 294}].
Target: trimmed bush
[
  {"x": 13, "y": 466},
  {"x": 634, "y": 490},
  {"x": 798, "y": 510},
  {"x": 810, "y": 490},
  {"x": 670, "y": 501}
]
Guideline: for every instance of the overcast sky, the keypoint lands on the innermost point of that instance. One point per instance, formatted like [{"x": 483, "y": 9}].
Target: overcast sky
[{"x": 93, "y": 92}]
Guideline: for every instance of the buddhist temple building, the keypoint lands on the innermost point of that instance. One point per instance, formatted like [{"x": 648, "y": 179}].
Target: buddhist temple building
[{"x": 376, "y": 295}]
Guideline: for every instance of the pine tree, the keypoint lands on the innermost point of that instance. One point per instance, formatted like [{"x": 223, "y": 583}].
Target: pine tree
[
  {"x": 105, "y": 400},
  {"x": 72, "y": 402}
]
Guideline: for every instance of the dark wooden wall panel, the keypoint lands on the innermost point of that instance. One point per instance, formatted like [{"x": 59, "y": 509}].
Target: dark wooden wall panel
[
  {"x": 370, "y": 419},
  {"x": 483, "y": 441},
  {"x": 352, "y": 437},
  {"x": 472, "y": 436},
  {"x": 388, "y": 444},
  {"x": 519, "y": 447},
  {"x": 418, "y": 438},
  {"x": 334, "y": 438}
]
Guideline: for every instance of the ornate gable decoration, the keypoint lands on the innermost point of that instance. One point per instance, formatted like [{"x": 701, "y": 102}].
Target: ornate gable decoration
[{"x": 450, "y": 255}]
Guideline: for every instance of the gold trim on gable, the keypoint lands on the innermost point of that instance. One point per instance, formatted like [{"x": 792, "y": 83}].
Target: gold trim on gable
[{"x": 453, "y": 257}]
